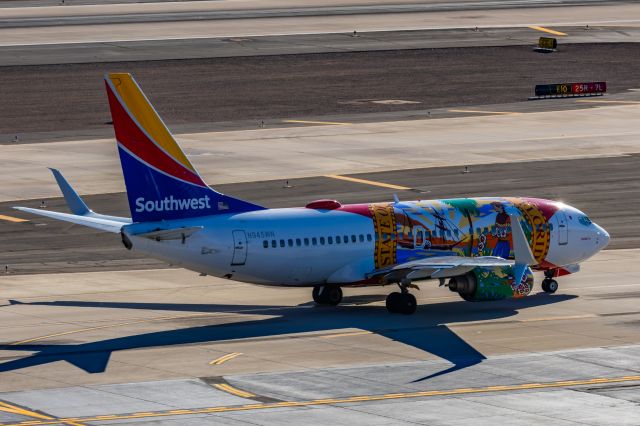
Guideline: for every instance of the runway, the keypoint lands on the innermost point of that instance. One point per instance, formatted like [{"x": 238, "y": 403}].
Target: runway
[{"x": 279, "y": 103}]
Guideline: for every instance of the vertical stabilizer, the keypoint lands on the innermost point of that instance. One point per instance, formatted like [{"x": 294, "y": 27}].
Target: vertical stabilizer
[{"x": 161, "y": 182}]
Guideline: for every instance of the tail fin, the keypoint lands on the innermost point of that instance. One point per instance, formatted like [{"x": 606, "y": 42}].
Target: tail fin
[{"x": 161, "y": 182}]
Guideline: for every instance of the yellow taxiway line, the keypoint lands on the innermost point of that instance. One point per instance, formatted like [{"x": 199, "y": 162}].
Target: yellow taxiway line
[
  {"x": 225, "y": 358},
  {"x": 330, "y": 123},
  {"x": 369, "y": 182},
  {"x": 225, "y": 387},
  {"x": 477, "y": 111},
  {"x": 352, "y": 333},
  {"x": 10, "y": 408},
  {"x": 343, "y": 400},
  {"x": 12, "y": 219},
  {"x": 13, "y": 409},
  {"x": 547, "y": 30}
]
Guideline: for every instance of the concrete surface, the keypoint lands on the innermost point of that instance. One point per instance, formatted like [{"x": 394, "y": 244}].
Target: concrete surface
[
  {"x": 303, "y": 43},
  {"x": 624, "y": 14},
  {"x": 169, "y": 325},
  {"x": 250, "y": 155},
  {"x": 165, "y": 346},
  {"x": 259, "y": 88}
]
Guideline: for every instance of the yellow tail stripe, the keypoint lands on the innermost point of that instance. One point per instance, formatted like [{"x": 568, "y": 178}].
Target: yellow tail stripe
[{"x": 138, "y": 105}]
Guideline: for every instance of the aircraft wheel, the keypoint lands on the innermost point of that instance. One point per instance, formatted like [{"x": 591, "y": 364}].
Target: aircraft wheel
[
  {"x": 549, "y": 286},
  {"x": 401, "y": 303},
  {"x": 333, "y": 295},
  {"x": 409, "y": 303},
  {"x": 319, "y": 294},
  {"x": 393, "y": 302},
  {"x": 327, "y": 295}
]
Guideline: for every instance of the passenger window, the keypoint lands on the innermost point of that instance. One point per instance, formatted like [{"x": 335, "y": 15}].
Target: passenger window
[
  {"x": 368, "y": 237},
  {"x": 353, "y": 239},
  {"x": 265, "y": 244},
  {"x": 306, "y": 241},
  {"x": 273, "y": 243},
  {"x": 322, "y": 240},
  {"x": 361, "y": 238},
  {"x": 290, "y": 242},
  {"x": 330, "y": 240},
  {"x": 346, "y": 239},
  {"x": 282, "y": 243},
  {"x": 337, "y": 239},
  {"x": 298, "y": 242},
  {"x": 314, "y": 241}
]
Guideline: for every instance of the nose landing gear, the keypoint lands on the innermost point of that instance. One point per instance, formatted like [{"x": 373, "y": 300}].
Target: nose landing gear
[
  {"x": 402, "y": 302},
  {"x": 549, "y": 285},
  {"x": 327, "y": 295}
]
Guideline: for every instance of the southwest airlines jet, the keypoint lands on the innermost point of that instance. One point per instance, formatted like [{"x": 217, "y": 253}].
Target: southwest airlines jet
[{"x": 481, "y": 248}]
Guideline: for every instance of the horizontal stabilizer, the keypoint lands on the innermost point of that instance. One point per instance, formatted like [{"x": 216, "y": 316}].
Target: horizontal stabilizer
[{"x": 92, "y": 221}]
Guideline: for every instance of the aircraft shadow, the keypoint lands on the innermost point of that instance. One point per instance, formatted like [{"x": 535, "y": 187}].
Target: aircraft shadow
[{"x": 425, "y": 330}]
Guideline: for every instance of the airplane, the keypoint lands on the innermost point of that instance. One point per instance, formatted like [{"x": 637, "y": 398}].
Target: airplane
[{"x": 481, "y": 248}]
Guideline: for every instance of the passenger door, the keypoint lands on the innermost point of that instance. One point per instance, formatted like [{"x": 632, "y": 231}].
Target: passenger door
[
  {"x": 563, "y": 228},
  {"x": 239, "y": 248}
]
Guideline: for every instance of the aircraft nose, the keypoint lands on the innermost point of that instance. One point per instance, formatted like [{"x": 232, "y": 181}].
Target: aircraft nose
[{"x": 602, "y": 237}]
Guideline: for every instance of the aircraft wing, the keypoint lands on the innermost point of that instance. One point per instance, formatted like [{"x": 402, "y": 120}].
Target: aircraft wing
[
  {"x": 438, "y": 267},
  {"x": 92, "y": 221}
]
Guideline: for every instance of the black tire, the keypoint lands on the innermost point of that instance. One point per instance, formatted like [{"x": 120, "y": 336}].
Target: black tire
[
  {"x": 409, "y": 303},
  {"x": 393, "y": 302},
  {"x": 545, "y": 285},
  {"x": 319, "y": 297},
  {"x": 333, "y": 295},
  {"x": 549, "y": 286}
]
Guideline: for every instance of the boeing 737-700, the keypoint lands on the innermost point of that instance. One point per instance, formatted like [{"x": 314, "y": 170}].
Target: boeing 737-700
[{"x": 481, "y": 248}]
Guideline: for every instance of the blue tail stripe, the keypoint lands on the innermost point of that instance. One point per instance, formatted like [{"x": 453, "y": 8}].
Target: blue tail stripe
[{"x": 155, "y": 196}]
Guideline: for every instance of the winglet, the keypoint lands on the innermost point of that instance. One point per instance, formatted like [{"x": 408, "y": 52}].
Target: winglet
[
  {"x": 521, "y": 250},
  {"x": 75, "y": 203}
]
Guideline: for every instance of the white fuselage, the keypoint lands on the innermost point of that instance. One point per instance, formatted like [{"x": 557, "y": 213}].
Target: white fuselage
[
  {"x": 290, "y": 247},
  {"x": 306, "y": 247}
]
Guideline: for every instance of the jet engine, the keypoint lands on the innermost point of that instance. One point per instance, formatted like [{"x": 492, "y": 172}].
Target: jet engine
[{"x": 491, "y": 283}]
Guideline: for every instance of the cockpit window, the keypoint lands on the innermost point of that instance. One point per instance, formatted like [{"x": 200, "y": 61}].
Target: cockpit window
[{"x": 584, "y": 220}]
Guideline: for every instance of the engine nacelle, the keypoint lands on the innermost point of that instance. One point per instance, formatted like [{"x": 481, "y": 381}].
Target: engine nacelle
[{"x": 491, "y": 283}]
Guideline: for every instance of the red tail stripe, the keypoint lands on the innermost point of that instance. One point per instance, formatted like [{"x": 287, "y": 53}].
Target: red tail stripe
[{"x": 133, "y": 138}]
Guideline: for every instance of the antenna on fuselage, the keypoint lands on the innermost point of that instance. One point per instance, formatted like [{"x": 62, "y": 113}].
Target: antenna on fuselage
[{"x": 396, "y": 200}]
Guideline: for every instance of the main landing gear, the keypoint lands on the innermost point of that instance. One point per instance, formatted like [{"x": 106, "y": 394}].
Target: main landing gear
[
  {"x": 402, "y": 302},
  {"x": 327, "y": 295},
  {"x": 549, "y": 285}
]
